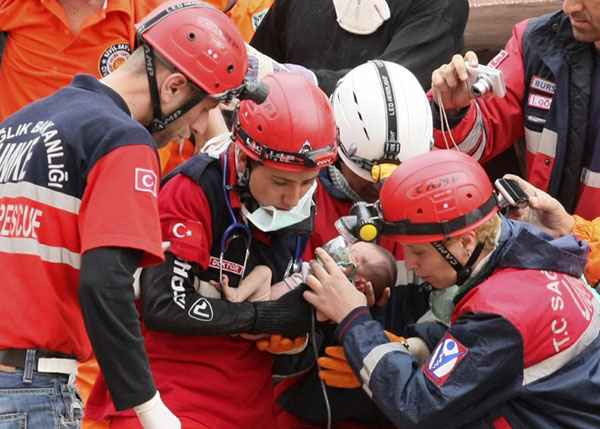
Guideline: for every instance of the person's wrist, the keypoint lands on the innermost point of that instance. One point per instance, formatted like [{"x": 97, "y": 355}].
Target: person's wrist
[
  {"x": 457, "y": 113},
  {"x": 148, "y": 404}
]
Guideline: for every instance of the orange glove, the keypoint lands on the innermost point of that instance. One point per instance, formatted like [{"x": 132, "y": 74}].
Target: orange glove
[
  {"x": 277, "y": 344},
  {"x": 336, "y": 371}
]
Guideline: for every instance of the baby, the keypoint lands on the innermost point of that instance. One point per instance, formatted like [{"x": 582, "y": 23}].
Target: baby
[{"x": 371, "y": 267}]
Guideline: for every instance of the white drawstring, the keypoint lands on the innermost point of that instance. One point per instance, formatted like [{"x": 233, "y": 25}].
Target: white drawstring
[{"x": 444, "y": 121}]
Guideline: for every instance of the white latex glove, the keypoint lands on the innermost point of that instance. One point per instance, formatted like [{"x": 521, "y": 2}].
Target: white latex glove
[{"x": 154, "y": 414}]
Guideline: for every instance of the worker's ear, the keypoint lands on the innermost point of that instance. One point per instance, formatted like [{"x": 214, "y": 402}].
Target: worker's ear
[
  {"x": 174, "y": 90},
  {"x": 468, "y": 241},
  {"x": 242, "y": 161}
]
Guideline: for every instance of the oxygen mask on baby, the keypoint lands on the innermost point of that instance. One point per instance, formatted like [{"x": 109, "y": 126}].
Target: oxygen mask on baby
[{"x": 339, "y": 248}]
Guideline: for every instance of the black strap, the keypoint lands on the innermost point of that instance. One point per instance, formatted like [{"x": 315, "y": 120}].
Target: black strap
[
  {"x": 392, "y": 145},
  {"x": 156, "y": 124},
  {"x": 159, "y": 122},
  {"x": 406, "y": 227},
  {"x": 307, "y": 156},
  {"x": 462, "y": 272}
]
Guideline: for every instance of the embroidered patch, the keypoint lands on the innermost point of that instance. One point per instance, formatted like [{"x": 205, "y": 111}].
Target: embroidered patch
[
  {"x": 187, "y": 230},
  {"x": 539, "y": 101},
  {"x": 113, "y": 57},
  {"x": 500, "y": 56},
  {"x": 543, "y": 85},
  {"x": 201, "y": 310},
  {"x": 444, "y": 360},
  {"x": 145, "y": 180},
  {"x": 229, "y": 266}
]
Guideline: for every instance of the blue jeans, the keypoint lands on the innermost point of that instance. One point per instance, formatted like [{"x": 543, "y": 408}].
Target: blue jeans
[{"x": 36, "y": 400}]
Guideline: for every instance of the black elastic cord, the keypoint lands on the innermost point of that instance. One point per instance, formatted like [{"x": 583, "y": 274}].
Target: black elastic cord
[
  {"x": 156, "y": 124},
  {"x": 392, "y": 145},
  {"x": 406, "y": 227},
  {"x": 159, "y": 122},
  {"x": 462, "y": 272}
]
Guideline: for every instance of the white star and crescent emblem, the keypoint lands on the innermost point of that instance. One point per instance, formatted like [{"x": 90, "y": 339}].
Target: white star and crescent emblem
[{"x": 181, "y": 231}]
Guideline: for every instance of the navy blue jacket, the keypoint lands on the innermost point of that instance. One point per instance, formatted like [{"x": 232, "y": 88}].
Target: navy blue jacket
[{"x": 522, "y": 351}]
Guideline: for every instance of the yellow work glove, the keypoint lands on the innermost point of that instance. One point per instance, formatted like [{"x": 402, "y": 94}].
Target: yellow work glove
[
  {"x": 336, "y": 371},
  {"x": 277, "y": 344}
]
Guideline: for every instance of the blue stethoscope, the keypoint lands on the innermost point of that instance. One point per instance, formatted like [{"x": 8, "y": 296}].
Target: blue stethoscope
[{"x": 236, "y": 225}]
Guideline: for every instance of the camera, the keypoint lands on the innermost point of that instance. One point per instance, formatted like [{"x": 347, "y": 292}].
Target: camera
[
  {"x": 510, "y": 194},
  {"x": 485, "y": 81}
]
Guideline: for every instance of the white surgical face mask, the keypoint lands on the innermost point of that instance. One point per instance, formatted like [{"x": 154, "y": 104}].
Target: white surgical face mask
[
  {"x": 361, "y": 16},
  {"x": 215, "y": 146},
  {"x": 268, "y": 218}
]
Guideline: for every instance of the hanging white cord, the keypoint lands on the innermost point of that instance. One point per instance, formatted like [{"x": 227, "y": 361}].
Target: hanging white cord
[
  {"x": 322, "y": 383},
  {"x": 444, "y": 122}
]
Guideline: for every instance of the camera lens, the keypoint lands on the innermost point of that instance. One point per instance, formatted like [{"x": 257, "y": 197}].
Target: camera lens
[{"x": 481, "y": 86}]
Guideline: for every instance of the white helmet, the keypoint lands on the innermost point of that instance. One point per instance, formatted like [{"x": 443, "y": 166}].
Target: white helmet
[{"x": 383, "y": 115}]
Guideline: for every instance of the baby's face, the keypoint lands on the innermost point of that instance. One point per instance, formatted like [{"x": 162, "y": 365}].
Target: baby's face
[{"x": 362, "y": 257}]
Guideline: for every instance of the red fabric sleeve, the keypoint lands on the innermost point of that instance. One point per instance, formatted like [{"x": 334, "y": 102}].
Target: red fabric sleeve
[
  {"x": 186, "y": 220},
  {"x": 502, "y": 117},
  {"x": 119, "y": 206}
]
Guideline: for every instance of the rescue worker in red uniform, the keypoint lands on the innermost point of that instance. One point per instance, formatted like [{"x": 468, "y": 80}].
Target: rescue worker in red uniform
[
  {"x": 79, "y": 179},
  {"x": 523, "y": 347},
  {"x": 384, "y": 118},
  {"x": 551, "y": 70},
  {"x": 223, "y": 215}
]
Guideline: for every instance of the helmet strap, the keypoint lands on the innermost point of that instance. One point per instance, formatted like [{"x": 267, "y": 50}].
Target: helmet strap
[
  {"x": 462, "y": 272},
  {"x": 159, "y": 122},
  {"x": 391, "y": 149}
]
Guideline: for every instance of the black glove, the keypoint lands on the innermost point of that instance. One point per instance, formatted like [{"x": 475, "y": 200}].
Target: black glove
[{"x": 289, "y": 316}]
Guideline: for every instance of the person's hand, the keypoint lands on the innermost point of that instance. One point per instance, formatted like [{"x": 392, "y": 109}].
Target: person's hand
[
  {"x": 230, "y": 294},
  {"x": 543, "y": 211},
  {"x": 336, "y": 371},
  {"x": 154, "y": 414},
  {"x": 291, "y": 315},
  {"x": 259, "y": 65},
  {"x": 450, "y": 82},
  {"x": 278, "y": 344},
  {"x": 331, "y": 292},
  {"x": 252, "y": 288},
  {"x": 370, "y": 294}
]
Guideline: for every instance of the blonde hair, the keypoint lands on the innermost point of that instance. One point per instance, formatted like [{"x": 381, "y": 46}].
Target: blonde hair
[{"x": 486, "y": 234}]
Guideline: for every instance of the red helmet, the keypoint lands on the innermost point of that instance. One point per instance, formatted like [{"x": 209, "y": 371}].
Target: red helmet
[
  {"x": 436, "y": 196},
  {"x": 199, "y": 41},
  {"x": 293, "y": 130}
]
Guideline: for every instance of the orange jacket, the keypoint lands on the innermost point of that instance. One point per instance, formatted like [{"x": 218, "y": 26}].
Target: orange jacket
[
  {"x": 589, "y": 230},
  {"x": 42, "y": 54},
  {"x": 248, "y": 14}
]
